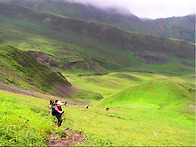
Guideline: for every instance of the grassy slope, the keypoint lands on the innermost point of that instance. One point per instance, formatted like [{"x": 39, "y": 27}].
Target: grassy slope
[
  {"x": 154, "y": 111},
  {"x": 81, "y": 53},
  {"x": 21, "y": 69},
  {"x": 133, "y": 124},
  {"x": 116, "y": 81},
  {"x": 25, "y": 120},
  {"x": 138, "y": 123},
  {"x": 101, "y": 32},
  {"x": 175, "y": 27},
  {"x": 165, "y": 94},
  {"x": 26, "y": 66}
]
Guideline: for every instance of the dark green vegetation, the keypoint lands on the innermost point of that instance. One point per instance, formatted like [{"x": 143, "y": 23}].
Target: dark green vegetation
[
  {"x": 148, "y": 82},
  {"x": 82, "y": 45},
  {"x": 19, "y": 67},
  {"x": 174, "y": 27}
]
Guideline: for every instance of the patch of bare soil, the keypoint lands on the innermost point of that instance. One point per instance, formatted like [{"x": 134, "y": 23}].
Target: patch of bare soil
[
  {"x": 18, "y": 90},
  {"x": 71, "y": 139},
  {"x": 192, "y": 107},
  {"x": 38, "y": 93},
  {"x": 67, "y": 90}
]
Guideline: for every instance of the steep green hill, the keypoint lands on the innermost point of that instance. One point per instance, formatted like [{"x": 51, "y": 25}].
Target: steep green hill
[
  {"x": 81, "y": 46},
  {"x": 148, "y": 82},
  {"x": 165, "y": 94},
  {"x": 28, "y": 122},
  {"x": 174, "y": 27},
  {"x": 20, "y": 67}
]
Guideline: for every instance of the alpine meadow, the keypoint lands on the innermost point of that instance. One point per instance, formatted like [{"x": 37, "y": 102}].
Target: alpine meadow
[{"x": 127, "y": 81}]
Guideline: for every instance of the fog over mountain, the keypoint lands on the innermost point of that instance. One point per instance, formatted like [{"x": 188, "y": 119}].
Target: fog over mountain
[{"x": 148, "y": 9}]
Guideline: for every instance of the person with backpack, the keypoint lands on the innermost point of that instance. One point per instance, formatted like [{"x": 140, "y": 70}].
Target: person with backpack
[
  {"x": 65, "y": 103},
  {"x": 57, "y": 111},
  {"x": 51, "y": 102}
]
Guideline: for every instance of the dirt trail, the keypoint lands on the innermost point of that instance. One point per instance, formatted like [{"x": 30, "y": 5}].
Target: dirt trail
[
  {"x": 36, "y": 93},
  {"x": 71, "y": 139}
]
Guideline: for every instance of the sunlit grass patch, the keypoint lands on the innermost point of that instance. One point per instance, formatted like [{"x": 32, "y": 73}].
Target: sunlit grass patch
[
  {"x": 138, "y": 124},
  {"x": 25, "y": 121}
]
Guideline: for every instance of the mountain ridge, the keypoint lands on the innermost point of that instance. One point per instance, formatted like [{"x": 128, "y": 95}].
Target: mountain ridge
[
  {"x": 103, "y": 45},
  {"x": 102, "y": 32},
  {"x": 179, "y": 27}
]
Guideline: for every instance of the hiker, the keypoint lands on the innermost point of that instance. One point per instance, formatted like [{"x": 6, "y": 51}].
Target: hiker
[
  {"x": 57, "y": 111},
  {"x": 65, "y": 103},
  {"x": 106, "y": 109},
  {"x": 87, "y": 106},
  {"x": 51, "y": 102}
]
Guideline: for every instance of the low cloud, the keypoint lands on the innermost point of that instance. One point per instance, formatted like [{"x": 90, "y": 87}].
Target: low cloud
[{"x": 148, "y": 8}]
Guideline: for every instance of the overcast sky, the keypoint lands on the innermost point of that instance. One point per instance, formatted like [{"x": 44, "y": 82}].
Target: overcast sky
[{"x": 150, "y": 8}]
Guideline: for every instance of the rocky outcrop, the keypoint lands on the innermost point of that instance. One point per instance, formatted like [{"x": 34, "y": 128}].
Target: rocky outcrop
[{"x": 157, "y": 59}]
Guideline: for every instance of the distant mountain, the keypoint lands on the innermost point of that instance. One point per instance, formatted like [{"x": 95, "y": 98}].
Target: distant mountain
[
  {"x": 75, "y": 44},
  {"x": 174, "y": 27},
  {"x": 35, "y": 45}
]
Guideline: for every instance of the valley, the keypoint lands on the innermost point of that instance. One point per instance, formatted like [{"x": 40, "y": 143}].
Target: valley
[
  {"x": 144, "y": 109},
  {"x": 146, "y": 80}
]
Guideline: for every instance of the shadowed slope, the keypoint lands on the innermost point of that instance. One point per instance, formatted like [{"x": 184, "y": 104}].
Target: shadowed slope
[
  {"x": 174, "y": 27},
  {"x": 129, "y": 42},
  {"x": 83, "y": 46},
  {"x": 21, "y": 68}
]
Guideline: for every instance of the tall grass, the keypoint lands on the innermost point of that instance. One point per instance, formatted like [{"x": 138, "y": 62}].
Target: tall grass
[
  {"x": 135, "y": 125},
  {"x": 25, "y": 120},
  {"x": 153, "y": 111},
  {"x": 156, "y": 116},
  {"x": 116, "y": 81}
]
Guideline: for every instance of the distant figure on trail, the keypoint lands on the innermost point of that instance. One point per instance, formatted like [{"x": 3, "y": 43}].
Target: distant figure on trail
[
  {"x": 106, "y": 109},
  {"x": 57, "y": 111},
  {"x": 51, "y": 102},
  {"x": 65, "y": 103},
  {"x": 87, "y": 106}
]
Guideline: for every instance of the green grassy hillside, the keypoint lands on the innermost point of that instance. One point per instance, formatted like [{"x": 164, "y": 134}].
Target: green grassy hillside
[
  {"x": 28, "y": 123},
  {"x": 25, "y": 120},
  {"x": 148, "y": 82},
  {"x": 114, "y": 82},
  {"x": 21, "y": 69},
  {"x": 164, "y": 94},
  {"x": 145, "y": 109},
  {"x": 174, "y": 27},
  {"x": 24, "y": 65},
  {"x": 83, "y": 46}
]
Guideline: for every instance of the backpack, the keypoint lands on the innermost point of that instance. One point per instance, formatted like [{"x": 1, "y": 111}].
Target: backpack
[
  {"x": 54, "y": 112},
  {"x": 51, "y": 102}
]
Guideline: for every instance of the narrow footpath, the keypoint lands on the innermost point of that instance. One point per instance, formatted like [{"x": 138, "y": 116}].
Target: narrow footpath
[{"x": 71, "y": 139}]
